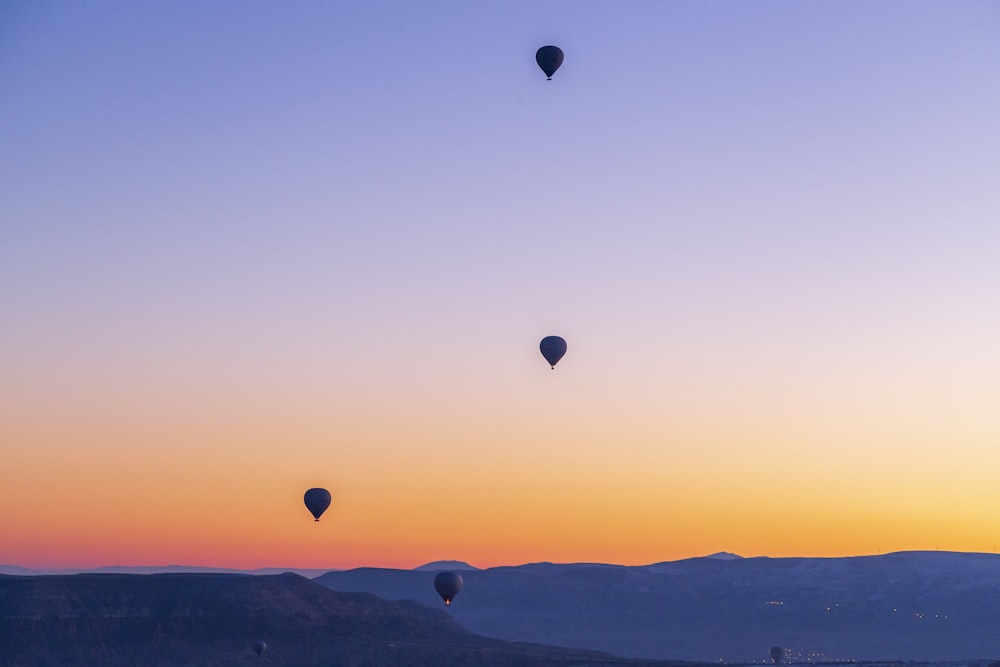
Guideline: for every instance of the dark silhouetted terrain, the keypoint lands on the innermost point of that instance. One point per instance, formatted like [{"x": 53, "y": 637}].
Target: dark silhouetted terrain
[
  {"x": 438, "y": 565},
  {"x": 110, "y": 620},
  {"x": 933, "y": 606}
]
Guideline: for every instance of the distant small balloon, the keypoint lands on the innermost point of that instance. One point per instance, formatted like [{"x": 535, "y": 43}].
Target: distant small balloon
[
  {"x": 448, "y": 585},
  {"x": 777, "y": 654},
  {"x": 260, "y": 647},
  {"x": 317, "y": 500},
  {"x": 553, "y": 348},
  {"x": 549, "y": 58}
]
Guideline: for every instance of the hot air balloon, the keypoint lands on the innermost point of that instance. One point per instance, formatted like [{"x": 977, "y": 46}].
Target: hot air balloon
[
  {"x": 448, "y": 584},
  {"x": 260, "y": 647},
  {"x": 549, "y": 58},
  {"x": 777, "y": 654},
  {"x": 317, "y": 500},
  {"x": 553, "y": 348}
]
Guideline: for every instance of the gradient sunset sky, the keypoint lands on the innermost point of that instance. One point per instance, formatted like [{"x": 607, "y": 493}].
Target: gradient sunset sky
[{"x": 247, "y": 248}]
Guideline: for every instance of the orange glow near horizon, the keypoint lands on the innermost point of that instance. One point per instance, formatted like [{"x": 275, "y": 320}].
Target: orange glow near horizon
[
  {"x": 203, "y": 501},
  {"x": 491, "y": 462}
]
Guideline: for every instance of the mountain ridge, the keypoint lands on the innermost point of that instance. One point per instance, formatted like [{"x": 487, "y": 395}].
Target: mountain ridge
[
  {"x": 439, "y": 565},
  {"x": 912, "y": 605},
  {"x": 13, "y": 569}
]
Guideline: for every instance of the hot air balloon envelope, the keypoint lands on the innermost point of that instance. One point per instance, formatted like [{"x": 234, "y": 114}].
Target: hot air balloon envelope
[
  {"x": 549, "y": 58},
  {"x": 260, "y": 647},
  {"x": 317, "y": 500},
  {"x": 448, "y": 584},
  {"x": 553, "y": 348}
]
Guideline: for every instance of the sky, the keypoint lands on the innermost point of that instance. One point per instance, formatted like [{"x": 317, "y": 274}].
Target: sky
[{"x": 249, "y": 248}]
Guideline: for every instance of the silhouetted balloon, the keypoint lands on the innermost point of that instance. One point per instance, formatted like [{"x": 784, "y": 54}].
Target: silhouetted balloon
[
  {"x": 259, "y": 648},
  {"x": 777, "y": 654},
  {"x": 549, "y": 58},
  {"x": 553, "y": 348},
  {"x": 448, "y": 584},
  {"x": 317, "y": 500}
]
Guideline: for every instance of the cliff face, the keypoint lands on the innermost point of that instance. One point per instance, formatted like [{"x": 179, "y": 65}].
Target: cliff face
[{"x": 213, "y": 619}]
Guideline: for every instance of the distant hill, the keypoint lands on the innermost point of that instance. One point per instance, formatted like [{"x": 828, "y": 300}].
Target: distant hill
[
  {"x": 906, "y": 606},
  {"x": 214, "y": 620},
  {"x": 161, "y": 569},
  {"x": 440, "y": 565},
  {"x": 724, "y": 555}
]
